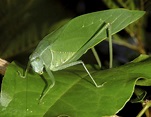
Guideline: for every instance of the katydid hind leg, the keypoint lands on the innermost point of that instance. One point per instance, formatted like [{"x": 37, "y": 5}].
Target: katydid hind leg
[
  {"x": 76, "y": 63},
  {"x": 109, "y": 35},
  {"x": 110, "y": 46},
  {"x": 98, "y": 86}
]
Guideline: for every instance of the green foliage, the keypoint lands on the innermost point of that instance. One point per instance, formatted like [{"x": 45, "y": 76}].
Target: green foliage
[
  {"x": 24, "y": 23},
  {"x": 73, "y": 94}
]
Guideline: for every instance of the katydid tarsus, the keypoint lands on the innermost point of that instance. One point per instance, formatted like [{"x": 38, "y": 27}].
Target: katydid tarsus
[{"x": 63, "y": 47}]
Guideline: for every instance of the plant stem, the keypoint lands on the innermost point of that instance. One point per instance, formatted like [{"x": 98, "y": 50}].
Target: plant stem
[
  {"x": 3, "y": 65},
  {"x": 147, "y": 105}
]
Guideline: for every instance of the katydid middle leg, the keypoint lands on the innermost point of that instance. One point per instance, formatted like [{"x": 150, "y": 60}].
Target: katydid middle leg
[
  {"x": 53, "y": 83},
  {"x": 96, "y": 56}
]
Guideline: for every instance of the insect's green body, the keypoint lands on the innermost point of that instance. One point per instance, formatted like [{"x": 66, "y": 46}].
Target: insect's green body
[
  {"x": 55, "y": 49},
  {"x": 63, "y": 47}
]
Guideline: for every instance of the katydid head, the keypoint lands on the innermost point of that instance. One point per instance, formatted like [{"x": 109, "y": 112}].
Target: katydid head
[{"x": 36, "y": 63}]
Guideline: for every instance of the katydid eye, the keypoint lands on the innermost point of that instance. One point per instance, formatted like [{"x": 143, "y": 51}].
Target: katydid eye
[{"x": 37, "y": 59}]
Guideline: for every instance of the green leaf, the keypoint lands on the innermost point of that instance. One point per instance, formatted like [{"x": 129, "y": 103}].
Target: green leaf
[
  {"x": 141, "y": 57},
  {"x": 74, "y": 94}
]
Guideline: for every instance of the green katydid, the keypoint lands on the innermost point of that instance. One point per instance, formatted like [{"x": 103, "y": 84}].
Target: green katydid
[{"x": 63, "y": 47}]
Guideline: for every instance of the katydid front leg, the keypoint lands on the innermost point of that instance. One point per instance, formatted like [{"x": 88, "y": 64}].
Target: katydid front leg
[{"x": 24, "y": 74}]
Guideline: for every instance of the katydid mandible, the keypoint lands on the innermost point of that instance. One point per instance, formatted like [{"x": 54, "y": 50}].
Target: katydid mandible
[{"x": 63, "y": 47}]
